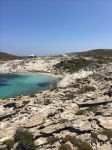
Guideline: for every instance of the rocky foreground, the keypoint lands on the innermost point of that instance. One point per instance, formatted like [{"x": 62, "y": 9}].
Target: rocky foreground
[{"x": 78, "y": 110}]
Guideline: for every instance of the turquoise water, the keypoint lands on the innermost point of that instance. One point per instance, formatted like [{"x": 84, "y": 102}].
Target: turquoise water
[{"x": 12, "y": 85}]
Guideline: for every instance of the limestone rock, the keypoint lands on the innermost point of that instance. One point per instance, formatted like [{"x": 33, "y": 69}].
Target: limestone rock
[
  {"x": 107, "y": 146},
  {"x": 34, "y": 121},
  {"x": 102, "y": 138},
  {"x": 106, "y": 122}
]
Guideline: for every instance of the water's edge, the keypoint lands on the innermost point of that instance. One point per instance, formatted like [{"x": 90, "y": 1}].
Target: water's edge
[{"x": 52, "y": 84}]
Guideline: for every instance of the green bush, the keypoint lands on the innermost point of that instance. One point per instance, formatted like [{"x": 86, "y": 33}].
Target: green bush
[
  {"x": 84, "y": 146},
  {"x": 73, "y": 65},
  {"x": 24, "y": 139},
  {"x": 86, "y": 89},
  {"x": 94, "y": 135},
  {"x": 103, "y": 60},
  {"x": 81, "y": 145},
  {"x": 64, "y": 147},
  {"x": 80, "y": 112},
  {"x": 51, "y": 139},
  {"x": 70, "y": 95},
  {"x": 9, "y": 143},
  {"x": 75, "y": 141},
  {"x": 63, "y": 120},
  {"x": 107, "y": 132},
  {"x": 3, "y": 148},
  {"x": 47, "y": 102},
  {"x": 67, "y": 138},
  {"x": 32, "y": 95},
  {"x": 25, "y": 102}
]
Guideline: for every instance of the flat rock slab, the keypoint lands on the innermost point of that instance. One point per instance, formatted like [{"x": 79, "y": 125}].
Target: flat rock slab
[
  {"x": 106, "y": 122},
  {"x": 34, "y": 121},
  {"x": 82, "y": 125},
  {"x": 52, "y": 129},
  {"x": 105, "y": 147}
]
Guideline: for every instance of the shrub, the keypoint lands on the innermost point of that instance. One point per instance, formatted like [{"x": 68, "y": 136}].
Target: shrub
[
  {"x": 73, "y": 65},
  {"x": 103, "y": 60},
  {"x": 63, "y": 120},
  {"x": 80, "y": 112},
  {"x": 64, "y": 147},
  {"x": 25, "y": 102},
  {"x": 32, "y": 95},
  {"x": 70, "y": 95},
  {"x": 67, "y": 138},
  {"x": 51, "y": 139},
  {"x": 24, "y": 139},
  {"x": 3, "y": 148},
  {"x": 86, "y": 89},
  {"x": 47, "y": 102},
  {"x": 94, "y": 135},
  {"x": 107, "y": 132},
  {"x": 9, "y": 143},
  {"x": 84, "y": 146},
  {"x": 81, "y": 145},
  {"x": 75, "y": 141}
]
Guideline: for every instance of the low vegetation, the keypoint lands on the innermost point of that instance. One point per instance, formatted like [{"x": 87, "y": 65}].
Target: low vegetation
[
  {"x": 9, "y": 143},
  {"x": 63, "y": 120},
  {"x": 23, "y": 139},
  {"x": 97, "y": 58},
  {"x": 73, "y": 65},
  {"x": 94, "y": 136},
  {"x": 86, "y": 89},
  {"x": 77, "y": 143},
  {"x": 107, "y": 132},
  {"x": 103, "y": 60},
  {"x": 6, "y": 56},
  {"x": 47, "y": 102},
  {"x": 97, "y": 53},
  {"x": 64, "y": 147},
  {"x": 25, "y": 102},
  {"x": 51, "y": 139},
  {"x": 32, "y": 95}
]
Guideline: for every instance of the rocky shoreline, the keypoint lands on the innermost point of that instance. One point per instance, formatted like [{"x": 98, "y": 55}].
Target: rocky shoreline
[{"x": 80, "y": 106}]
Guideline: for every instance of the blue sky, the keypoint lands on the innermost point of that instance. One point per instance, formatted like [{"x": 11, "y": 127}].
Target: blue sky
[{"x": 54, "y": 26}]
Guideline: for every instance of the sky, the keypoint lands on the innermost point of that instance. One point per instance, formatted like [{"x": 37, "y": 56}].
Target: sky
[{"x": 46, "y": 27}]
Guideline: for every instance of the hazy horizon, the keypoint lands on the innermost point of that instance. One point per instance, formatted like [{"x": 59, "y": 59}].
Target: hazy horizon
[{"x": 46, "y": 27}]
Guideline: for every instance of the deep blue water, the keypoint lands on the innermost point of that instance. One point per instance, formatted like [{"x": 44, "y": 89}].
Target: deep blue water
[{"x": 12, "y": 85}]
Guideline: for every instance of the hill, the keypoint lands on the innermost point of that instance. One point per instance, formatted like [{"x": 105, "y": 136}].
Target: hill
[
  {"x": 95, "y": 53},
  {"x": 6, "y": 56}
]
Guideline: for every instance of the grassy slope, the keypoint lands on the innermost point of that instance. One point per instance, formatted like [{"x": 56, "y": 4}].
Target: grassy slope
[
  {"x": 6, "y": 56},
  {"x": 97, "y": 53}
]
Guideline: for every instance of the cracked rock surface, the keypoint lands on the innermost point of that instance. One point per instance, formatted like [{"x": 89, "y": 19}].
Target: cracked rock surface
[{"x": 67, "y": 110}]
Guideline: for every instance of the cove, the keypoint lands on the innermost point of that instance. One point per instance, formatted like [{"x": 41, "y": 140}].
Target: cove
[{"x": 13, "y": 85}]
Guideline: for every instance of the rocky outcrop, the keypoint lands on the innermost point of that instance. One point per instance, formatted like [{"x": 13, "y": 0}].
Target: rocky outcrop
[{"x": 63, "y": 113}]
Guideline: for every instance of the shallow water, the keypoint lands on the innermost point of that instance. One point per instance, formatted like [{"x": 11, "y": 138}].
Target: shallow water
[{"x": 12, "y": 85}]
